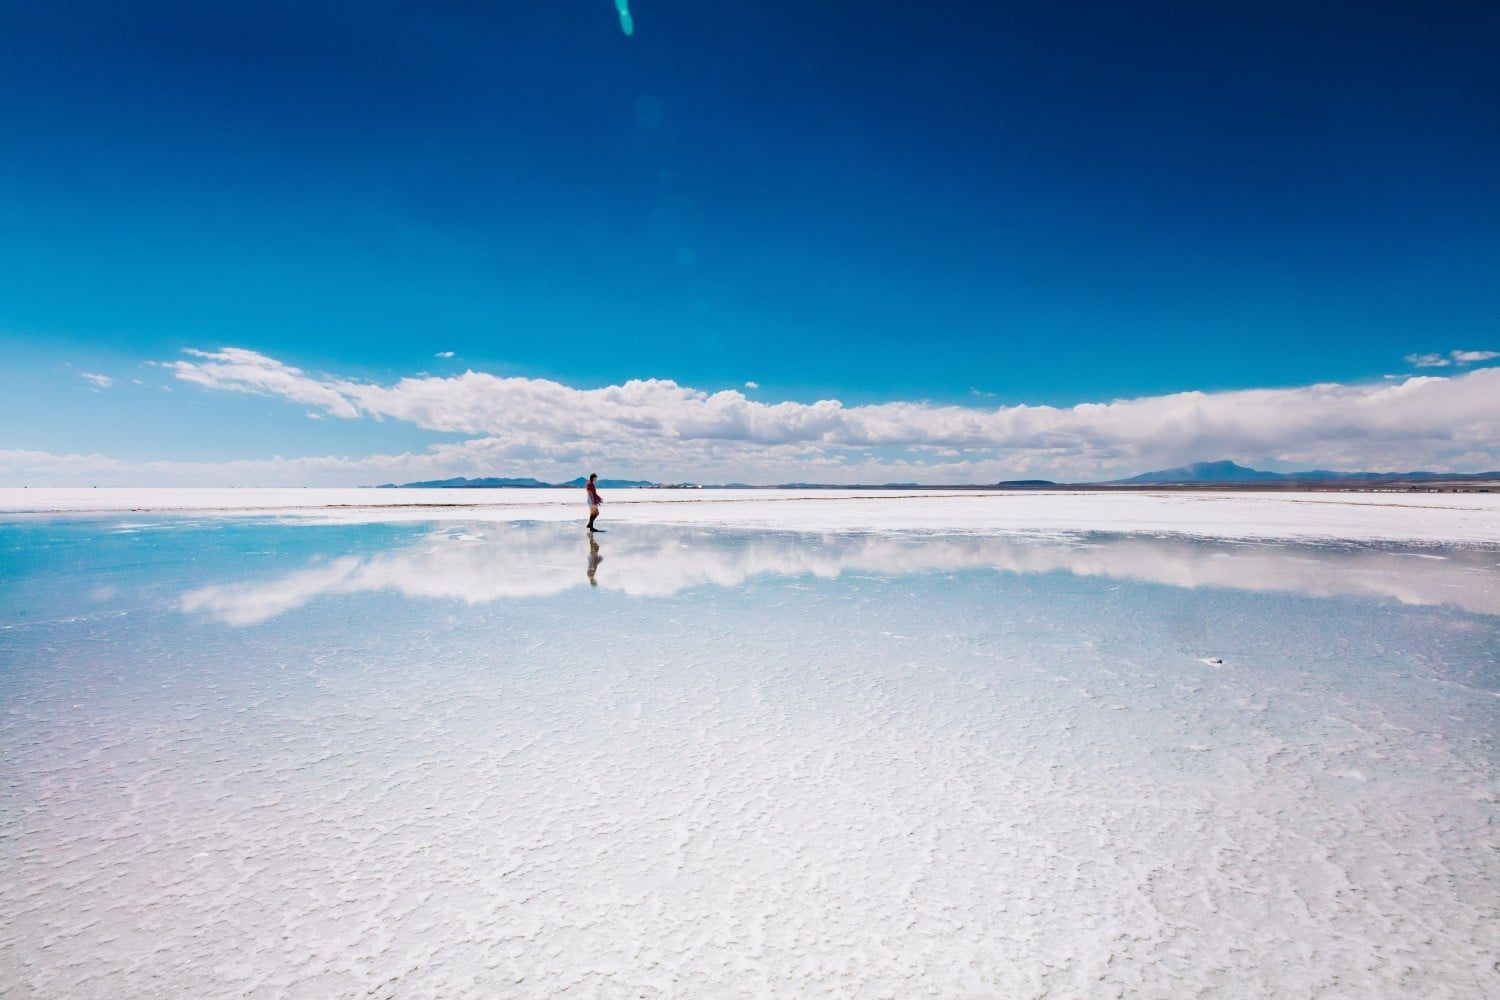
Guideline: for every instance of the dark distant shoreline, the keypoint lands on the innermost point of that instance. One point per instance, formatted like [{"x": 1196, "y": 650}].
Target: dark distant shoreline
[
  {"x": 1219, "y": 476},
  {"x": 1456, "y": 484}
]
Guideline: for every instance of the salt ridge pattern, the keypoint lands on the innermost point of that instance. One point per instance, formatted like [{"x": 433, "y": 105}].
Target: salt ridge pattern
[{"x": 949, "y": 782}]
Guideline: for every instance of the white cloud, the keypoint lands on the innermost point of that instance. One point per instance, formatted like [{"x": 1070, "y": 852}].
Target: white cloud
[
  {"x": 101, "y": 381},
  {"x": 752, "y": 385},
  {"x": 1435, "y": 360},
  {"x": 513, "y": 409},
  {"x": 443, "y": 354},
  {"x": 1454, "y": 357},
  {"x": 247, "y": 371},
  {"x": 658, "y": 429}
]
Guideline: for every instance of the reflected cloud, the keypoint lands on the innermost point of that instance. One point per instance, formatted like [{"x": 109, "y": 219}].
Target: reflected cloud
[{"x": 537, "y": 560}]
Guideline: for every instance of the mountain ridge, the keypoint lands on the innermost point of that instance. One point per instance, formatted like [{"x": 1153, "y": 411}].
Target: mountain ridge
[
  {"x": 1222, "y": 472},
  {"x": 1226, "y": 471}
]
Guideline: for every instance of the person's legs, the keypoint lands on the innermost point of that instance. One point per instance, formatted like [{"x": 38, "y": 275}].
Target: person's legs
[{"x": 593, "y": 513}]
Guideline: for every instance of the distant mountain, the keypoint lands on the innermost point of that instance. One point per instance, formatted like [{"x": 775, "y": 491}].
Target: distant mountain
[
  {"x": 1230, "y": 472},
  {"x": 1205, "y": 472},
  {"x": 1322, "y": 476}
]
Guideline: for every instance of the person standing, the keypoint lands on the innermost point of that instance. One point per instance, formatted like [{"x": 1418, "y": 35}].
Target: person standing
[{"x": 594, "y": 499}]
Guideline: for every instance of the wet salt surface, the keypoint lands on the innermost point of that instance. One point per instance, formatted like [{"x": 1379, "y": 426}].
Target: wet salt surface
[{"x": 250, "y": 758}]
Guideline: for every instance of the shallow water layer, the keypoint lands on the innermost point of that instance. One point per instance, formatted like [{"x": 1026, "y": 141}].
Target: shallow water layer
[{"x": 268, "y": 759}]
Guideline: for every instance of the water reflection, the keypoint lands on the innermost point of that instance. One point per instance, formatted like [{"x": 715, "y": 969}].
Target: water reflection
[
  {"x": 594, "y": 559},
  {"x": 531, "y": 560}
]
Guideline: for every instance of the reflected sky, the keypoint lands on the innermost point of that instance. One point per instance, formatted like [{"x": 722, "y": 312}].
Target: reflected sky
[
  {"x": 484, "y": 563},
  {"x": 498, "y": 754}
]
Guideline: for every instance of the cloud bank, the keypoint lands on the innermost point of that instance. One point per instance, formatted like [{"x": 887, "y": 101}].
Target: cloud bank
[{"x": 656, "y": 428}]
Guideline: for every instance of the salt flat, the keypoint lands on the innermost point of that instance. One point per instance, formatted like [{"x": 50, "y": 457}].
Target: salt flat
[
  {"x": 1446, "y": 517},
  {"x": 304, "y": 756}
]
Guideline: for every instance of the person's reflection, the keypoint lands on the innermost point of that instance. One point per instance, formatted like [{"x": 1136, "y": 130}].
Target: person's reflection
[{"x": 594, "y": 560}]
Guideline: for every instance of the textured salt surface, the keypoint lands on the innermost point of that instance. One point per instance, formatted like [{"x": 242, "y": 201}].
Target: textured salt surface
[
  {"x": 1459, "y": 518},
  {"x": 260, "y": 759}
]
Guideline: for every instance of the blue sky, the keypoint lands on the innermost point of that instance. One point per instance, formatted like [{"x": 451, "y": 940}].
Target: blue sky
[{"x": 945, "y": 210}]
